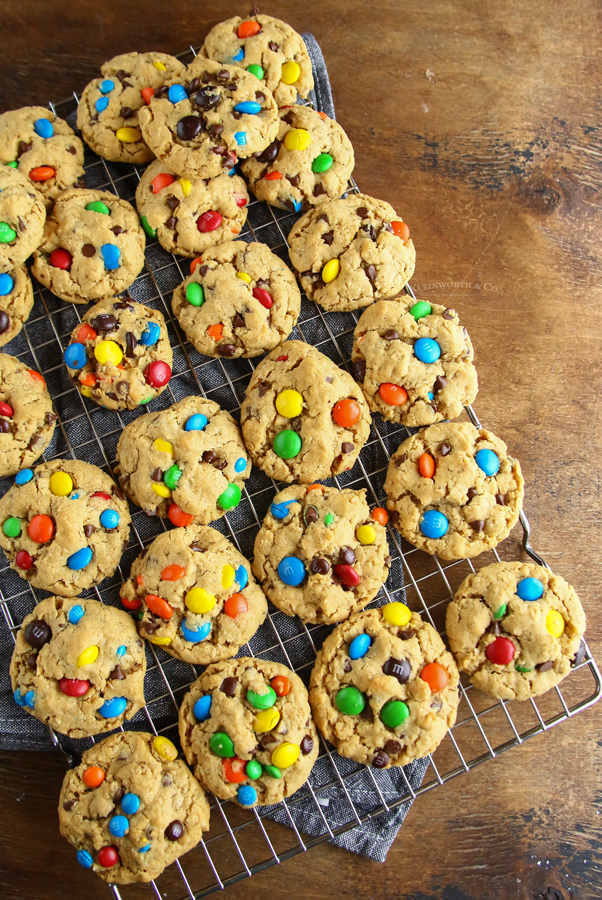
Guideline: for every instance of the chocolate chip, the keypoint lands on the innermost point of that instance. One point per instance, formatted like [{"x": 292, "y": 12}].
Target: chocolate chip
[
  {"x": 319, "y": 190},
  {"x": 117, "y": 674},
  {"x": 174, "y": 830},
  {"x": 366, "y": 714},
  {"x": 263, "y": 388},
  {"x": 38, "y": 633},
  {"x": 4, "y": 322},
  {"x": 172, "y": 202},
  {"x": 221, "y": 465},
  {"x": 167, "y": 780},
  {"x": 50, "y": 418},
  {"x": 232, "y": 87},
  {"x": 471, "y": 492},
  {"x": 545, "y": 667},
  {"x": 4, "y": 426},
  {"x": 273, "y": 46},
  {"x": 500, "y": 499},
  {"x": 320, "y": 566},
  {"x": 370, "y": 231},
  {"x": 207, "y": 98},
  {"x": 121, "y": 74},
  {"x": 444, "y": 448},
  {"x": 228, "y": 686},
  {"x": 329, "y": 379},
  {"x": 370, "y": 272},
  {"x": 118, "y": 795},
  {"x": 203, "y": 271},
  {"x": 449, "y": 313},
  {"x": 188, "y": 128},
  {"x": 131, "y": 342},
  {"x": 478, "y": 526},
  {"x": 289, "y": 118},
  {"x": 398, "y": 668},
  {"x": 579, "y": 655},
  {"x": 347, "y": 666},
  {"x": 69, "y": 805},
  {"x": 259, "y": 95},
  {"x": 89, "y": 250},
  {"x": 359, "y": 369},
  {"x": 310, "y": 515},
  {"x": 328, "y": 237},
  {"x": 23, "y": 147},
  {"x": 307, "y": 745},
  {"x": 22, "y": 225},
  {"x": 296, "y": 424},
  {"x": 346, "y": 556},
  {"x": 150, "y": 627},
  {"x": 436, "y": 704},
  {"x": 391, "y": 335},
  {"x": 171, "y": 223},
  {"x": 393, "y": 516},
  {"x": 235, "y": 114},
  {"x": 238, "y": 321},
  {"x": 381, "y": 759},
  {"x": 227, "y": 350},
  {"x": 440, "y": 383},
  {"x": 31, "y": 661},
  {"x": 209, "y": 456},
  {"x": 89, "y": 530},
  {"x": 117, "y": 229},
  {"x": 347, "y": 447},
  {"x": 289, "y": 204},
  {"x": 194, "y": 85},
  {"x": 294, "y": 180},
  {"x": 104, "y": 322},
  {"x": 223, "y": 75},
  {"x": 161, "y": 92},
  {"x": 362, "y": 212},
  {"x": 494, "y": 628},
  {"x": 112, "y": 395},
  {"x": 393, "y": 748}
]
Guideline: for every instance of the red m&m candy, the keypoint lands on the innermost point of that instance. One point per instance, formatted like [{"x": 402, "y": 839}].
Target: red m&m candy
[
  {"x": 347, "y": 575},
  {"x": 209, "y": 221},
  {"x": 108, "y": 857},
  {"x": 241, "y": 201},
  {"x": 23, "y": 560},
  {"x": 60, "y": 259},
  {"x": 262, "y": 295},
  {"x": 5, "y": 409},
  {"x": 501, "y": 651},
  {"x": 157, "y": 374},
  {"x": 74, "y": 687}
]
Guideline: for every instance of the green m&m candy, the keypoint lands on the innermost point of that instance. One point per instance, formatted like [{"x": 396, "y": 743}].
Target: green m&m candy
[
  {"x": 152, "y": 232},
  {"x": 421, "y": 309},
  {"x": 501, "y": 612},
  {"x": 273, "y": 771},
  {"x": 230, "y": 498},
  {"x": 221, "y": 744},
  {"x": 172, "y": 476},
  {"x": 99, "y": 207},
  {"x": 350, "y": 700},
  {"x": 262, "y": 701},
  {"x": 7, "y": 234},
  {"x": 328, "y": 519},
  {"x": 393, "y": 713},
  {"x": 523, "y": 668},
  {"x": 256, "y": 70},
  {"x": 195, "y": 294},
  {"x": 322, "y": 163},
  {"x": 13, "y": 165},
  {"x": 11, "y": 527},
  {"x": 287, "y": 444},
  {"x": 253, "y": 769}
]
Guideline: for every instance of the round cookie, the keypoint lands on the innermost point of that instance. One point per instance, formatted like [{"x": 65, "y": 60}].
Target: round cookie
[
  {"x": 320, "y": 554},
  {"x": 414, "y": 362},
  {"x": 246, "y": 730},
  {"x": 316, "y": 429},
  {"x": 267, "y": 47},
  {"x": 108, "y": 110},
  {"x": 203, "y": 121},
  {"x": 516, "y": 629},
  {"x": 364, "y": 244},
  {"x": 187, "y": 462},
  {"x": 44, "y": 149},
  {"x": 93, "y": 247},
  {"x": 78, "y": 666},
  {"x": 26, "y": 415},
  {"x": 453, "y": 491},
  {"x": 131, "y": 807},
  {"x": 120, "y": 355},
  {"x": 196, "y": 595},
  {"x": 22, "y": 217},
  {"x": 241, "y": 301},
  {"x": 189, "y": 216},
  {"x": 65, "y": 525},
  {"x": 304, "y": 169},
  {"x": 384, "y": 690},
  {"x": 16, "y": 302}
]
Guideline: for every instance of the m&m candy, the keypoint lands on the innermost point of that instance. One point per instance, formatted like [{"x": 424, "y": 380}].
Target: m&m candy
[
  {"x": 350, "y": 701},
  {"x": 157, "y": 373},
  {"x": 236, "y": 605},
  {"x": 427, "y": 350},
  {"x": 529, "y": 589},
  {"x": 75, "y": 614},
  {"x": 421, "y": 309},
  {"x": 87, "y": 656},
  {"x": 75, "y": 356},
  {"x": 487, "y": 461},
  {"x": 230, "y": 497},
  {"x": 393, "y": 394},
  {"x": 246, "y": 795},
  {"x": 221, "y": 744},
  {"x": 80, "y": 559},
  {"x": 202, "y": 708},
  {"x": 285, "y": 755},
  {"x": 112, "y": 708},
  {"x": 108, "y": 857},
  {"x": 291, "y": 570},
  {"x": 130, "y": 804},
  {"x": 322, "y": 163},
  {"x": 554, "y": 623},
  {"x": 331, "y": 271},
  {"x": 111, "y": 255},
  {"x": 394, "y": 713},
  {"x": 176, "y": 93},
  {"x": 287, "y": 444},
  {"x": 209, "y": 221},
  {"x": 198, "y": 600},
  {"x": 297, "y": 139},
  {"x": 359, "y": 646},
  {"x": 74, "y": 687},
  {"x": 195, "y": 635},
  {"x": 434, "y": 524},
  {"x": 41, "y": 529},
  {"x": 500, "y": 651},
  {"x": 84, "y": 859},
  {"x": 195, "y": 294},
  {"x": 165, "y": 748},
  {"x": 93, "y": 776},
  {"x": 436, "y": 676},
  {"x": 365, "y": 534},
  {"x": 197, "y": 422},
  {"x": 290, "y": 73},
  {"x": 253, "y": 769},
  {"x": 150, "y": 335},
  {"x": 396, "y": 614},
  {"x": 119, "y": 826},
  {"x": 346, "y": 412},
  {"x": 266, "y": 720},
  {"x": 43, "y": 128},
  {"x": 262, "y": 701},
  {"x": 108, "y": 353},
  {"x": 289, "y": 404},
  {"x": 109, "y": 519}
]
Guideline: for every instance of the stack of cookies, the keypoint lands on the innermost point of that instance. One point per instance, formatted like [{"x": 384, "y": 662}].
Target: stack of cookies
[{"x": 384, "y": 689}]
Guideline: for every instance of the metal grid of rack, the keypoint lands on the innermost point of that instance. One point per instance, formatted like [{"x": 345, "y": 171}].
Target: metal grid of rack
[{"x": 239, "y": 842}]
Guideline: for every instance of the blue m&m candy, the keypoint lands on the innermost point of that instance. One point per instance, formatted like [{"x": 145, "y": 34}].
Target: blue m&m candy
[
  {"x": 101, "y": 104},
  {"x": 242, "y": 577},
  {"x": 434, "y": 524},
  {"x": 113, "y": 707},
  {"x": 250, "y": 107},
  {"x": 30, "y": 699},
  {"x": 109, "y": 519},
  {"x": 246, "y": 795},
  {"x": 75, "y": 614},
  {"x": 119, "y": 826},
  {"x": 79, "y": 559},
  {"x": 488, "y": 461},
  {"x": 144, "y": 849},
  {"x": 241, "y": 138},
  {"x": 106, "y": 86},
  {"x": 130, "y": 804},
  {"x": 196, "y": 423},
  {"x": 176, "y": 93},
  {"x": 195, "y": 635},
  {"x": 281, "y": 510},
  {"x": 150, "y": 335},
  {"x": 75, "y": 356},
  {"x": 111, "y": 255},
  {"x": 84, "y": 859},
  {"x": 19, "y": 698},
  {"x": 291, "y": 570},
  {"x": 427, "y": 350},
  {"x": 23, "y": 476},
  {"x": 121, "y": 651},
  {"x": 529, "y": 589},
  {"x": 240, "y": 54},
  {"x": 202, "y": 708},
  {"x": 43, "y": 128},
  {"x": 359, "y": 646},
  {"x": 6, "y": 284},
  {"x": 240, "y": 465}
]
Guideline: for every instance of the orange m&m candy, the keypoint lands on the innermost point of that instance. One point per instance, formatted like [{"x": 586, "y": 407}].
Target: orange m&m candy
[
  {"x": 426, "y": 465},
  {"x": 216, "y": 331},
  {"x": 41, "y": 529},
  {"x": 172, "y": 572},
  {"x": 195, "y": 262},
  {"x": 281, "y": 685},
  {"x": 131, "y": 604},
  {"x": 401, "y": 230},
  {"x": 93, "y": 776},
  {"x": 160, "y": 181},
  {"x": 346, "y": 412},
  {"x": 159, "y": 606},
  {"x": 235, "y": 605},
  {"x": 36, "y": 375},
  {"x": 273, "y": 176},
  {"x": 248, "y": 28},
  {"x": 147, "y": 94},
  {"x": 393, "y": 394},
  {"x": 85, "y": 333},
  {"x": 436, "y": 676},
  {"x": 234, "y": 770},
  {"x": 89, "y": 380},
  {"x": 178, "y": 517},
  {"x": 42, "y": 173},
  {"x": 380, "y": 515}
]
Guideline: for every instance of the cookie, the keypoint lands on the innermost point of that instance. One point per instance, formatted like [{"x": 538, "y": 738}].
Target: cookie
[
  {"x": 120, "y": 355},
  {"x": 352, "y": 252},
  {"x": 189, "y": 216},
  {"x": 515, "y": 628},
  {"x": 131, "y": 807},
  {"x": 201, "y": 122},
  {"x": 384, "y": 690},
  {"x": 16, "y": 301},
  {"x": 309, "y": 161},
  {"x": 187, "y": 462},
  {"x": 22, "y": 217},
  {"x": 65, "y": 525},
  {"x": 93, "y": 247},
  {"x": 108, "y": 110},
  {"x": 453, "y": 491},
  {"x": 414, "y": 362},
  {"x": 269, "y": 49},
  {"x": 78, "y": 666},
  {"x": 320, "y": 554},
  {"x": 303, "y": 419},
  {"x": 240, "y": 301},
  {"x": 44, "y": 149},
  {"x": 246, "y": 730},
  {"x": 26, "y": 415},
  {"x": 196, "y": 596}
]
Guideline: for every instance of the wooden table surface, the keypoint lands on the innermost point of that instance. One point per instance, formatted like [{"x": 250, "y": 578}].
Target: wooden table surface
[{"x": 480, "y": 123}]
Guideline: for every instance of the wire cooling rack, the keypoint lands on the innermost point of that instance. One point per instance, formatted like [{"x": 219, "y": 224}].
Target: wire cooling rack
[{"x": 242, "y": 842}]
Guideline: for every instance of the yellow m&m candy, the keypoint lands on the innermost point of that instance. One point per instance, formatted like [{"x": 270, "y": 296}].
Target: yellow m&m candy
[
  {"x": 61, "y": 484},
  {"x": 554, "y": 623},
  {"x": 86, "y": 391},
  {"x": 228, "y": 575},
  {"x": 165, "y": 748},
  {"x": 244, "y": 277},
  {"x": 285, "y": 755},
  {"x": 290, "y": 73},
  {"x": 365, "y": 534},
  {"x": 266, "y": 720},
  {"x": 198, "y": 600},
  {"x": 160, "y": 66},
  {"x": 297, "y": 139},
  {"x": 289, "y": 404},
  {"x": 163, "y": 446},
  {"x": 161, "y": 489},
  {"x": 186, "y": 186},
  {"x": 161, "y": 641},
  {"x": 128, "y": 135},
  {"x": 108, "y": 353},
  {"x": 331, "y": 271},
  {"x": 87, "y": 656},
  {"x": 396, "y": 614}
]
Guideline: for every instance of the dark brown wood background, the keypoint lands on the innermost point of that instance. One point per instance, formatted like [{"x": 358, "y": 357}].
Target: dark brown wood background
[{"x": 480, "y": 123}]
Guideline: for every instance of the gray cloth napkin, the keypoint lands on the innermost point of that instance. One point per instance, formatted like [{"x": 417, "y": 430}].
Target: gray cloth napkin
[{"x": 352, "y": 791}]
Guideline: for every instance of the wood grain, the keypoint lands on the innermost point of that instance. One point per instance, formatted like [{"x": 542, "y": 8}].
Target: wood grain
[{"x": 480, "y": 123}]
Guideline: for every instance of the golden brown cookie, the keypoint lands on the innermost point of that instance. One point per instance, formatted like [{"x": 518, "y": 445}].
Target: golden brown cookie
[
  {"x": 22, "y": 217},
  {"x": 16, "y": 301},
  {"x": 26, "y": 415}
]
